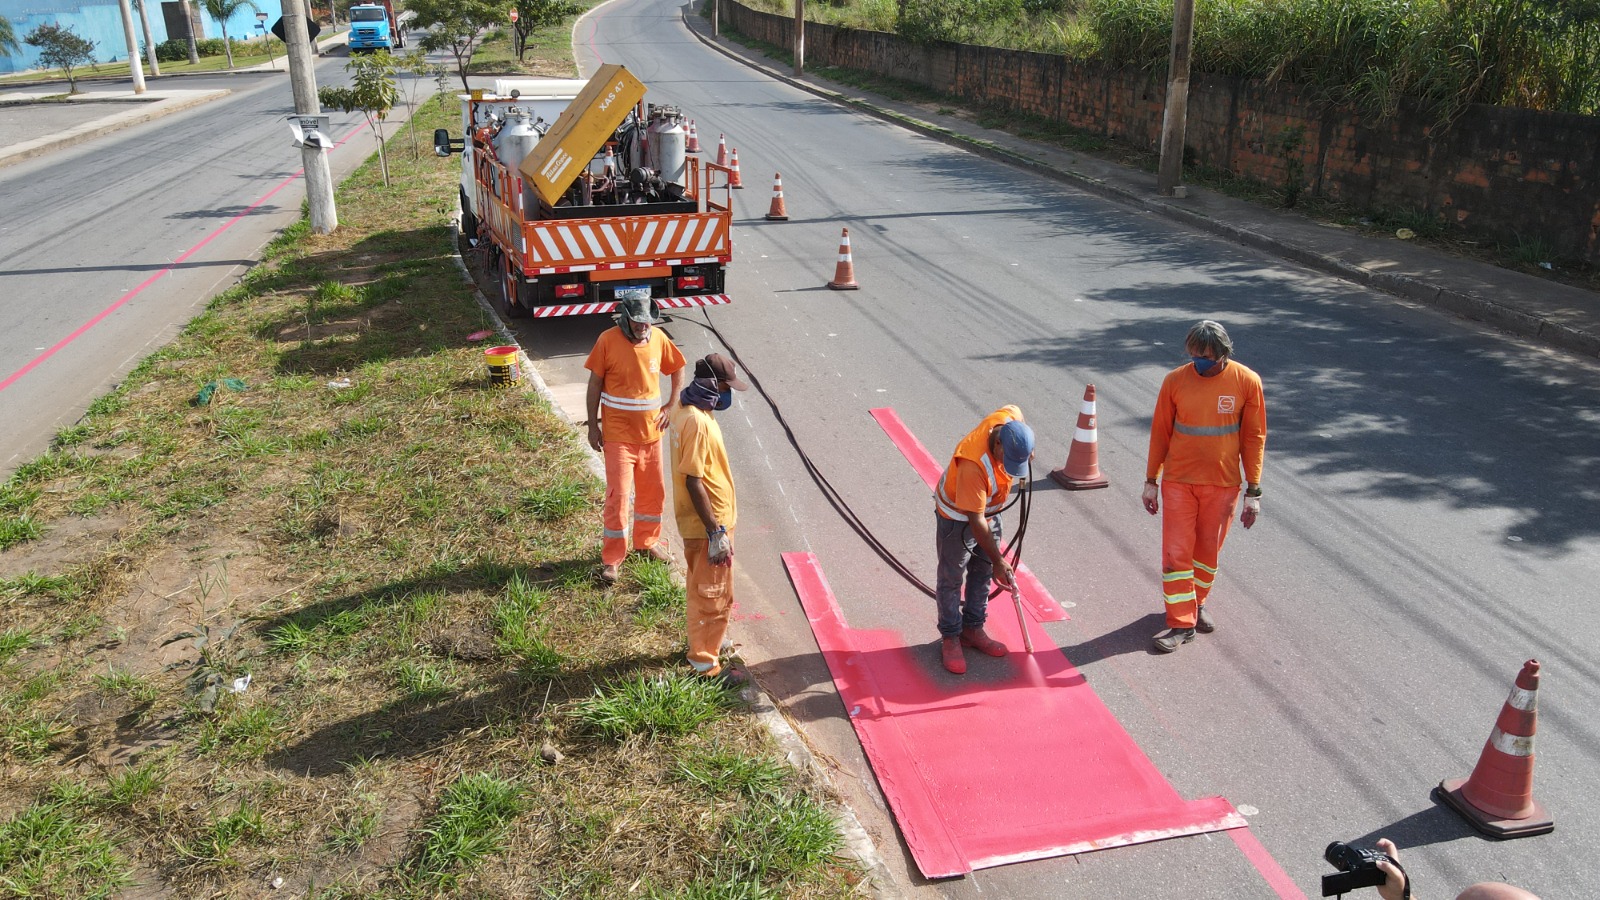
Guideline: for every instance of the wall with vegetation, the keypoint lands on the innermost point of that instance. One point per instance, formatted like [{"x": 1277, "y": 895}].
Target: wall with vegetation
[{"x": 1506, "y": 174}]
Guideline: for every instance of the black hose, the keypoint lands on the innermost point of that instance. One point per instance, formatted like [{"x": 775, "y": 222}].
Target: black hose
[{"x": 1023, "y": 499}]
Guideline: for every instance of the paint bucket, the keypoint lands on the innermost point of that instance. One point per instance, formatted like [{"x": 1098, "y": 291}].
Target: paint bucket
[{"x": 502, "y": 365}]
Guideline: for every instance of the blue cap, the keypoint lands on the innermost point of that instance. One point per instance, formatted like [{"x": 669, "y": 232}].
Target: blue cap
[{"x": 1016, "y": 446}]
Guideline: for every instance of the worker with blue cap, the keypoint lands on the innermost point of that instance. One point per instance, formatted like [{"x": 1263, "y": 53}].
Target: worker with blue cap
[{"x": 967, "y": 504}]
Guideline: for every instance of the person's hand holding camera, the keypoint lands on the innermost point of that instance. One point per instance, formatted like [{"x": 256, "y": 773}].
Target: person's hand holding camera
[{"x": 1394, "y": 886}]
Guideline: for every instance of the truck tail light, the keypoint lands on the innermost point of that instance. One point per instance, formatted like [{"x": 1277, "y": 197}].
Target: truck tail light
[
  {"x": 691, "y": 282},
  {"x": 568, "y": 291}
]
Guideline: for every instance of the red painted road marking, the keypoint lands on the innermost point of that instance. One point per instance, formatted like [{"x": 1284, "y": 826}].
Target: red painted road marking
[
  {"x": 1017, "y": 760},
  {"x": 99, "y": 317},
  {"x": 1036, "y": 599},
  {"x": 1265, "y": 864}
]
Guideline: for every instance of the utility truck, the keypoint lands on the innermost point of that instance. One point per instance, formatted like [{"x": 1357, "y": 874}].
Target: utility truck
[
  {"x": 374, "y": 26},
  {"x": 604, "y": 202}
]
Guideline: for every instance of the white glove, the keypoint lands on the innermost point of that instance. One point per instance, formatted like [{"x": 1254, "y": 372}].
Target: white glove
[
  {"x": 720, "y": 552},
  {"x": 1252, "y": 509},
  {"x": 1151, "y": 498}
]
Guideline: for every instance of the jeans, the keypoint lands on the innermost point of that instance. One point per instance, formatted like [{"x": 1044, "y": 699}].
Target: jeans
[{"x": 961, "y": 559}]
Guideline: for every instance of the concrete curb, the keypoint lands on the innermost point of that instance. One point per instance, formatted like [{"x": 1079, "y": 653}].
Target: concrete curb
[
  {"x": 1460, "y": 303},
  {"x": 29, "y": 149},
  {"x": 858, "y": 844}
]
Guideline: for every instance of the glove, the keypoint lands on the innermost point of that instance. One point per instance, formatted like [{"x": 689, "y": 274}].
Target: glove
[
  {"x": 1151, "y": 498},
  {"x": 1252, "y": 508},
  {"x": 720, "y": 552}
]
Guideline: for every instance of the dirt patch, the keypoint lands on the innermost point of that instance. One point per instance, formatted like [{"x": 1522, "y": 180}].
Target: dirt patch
[{"x": 65, "y": 542}]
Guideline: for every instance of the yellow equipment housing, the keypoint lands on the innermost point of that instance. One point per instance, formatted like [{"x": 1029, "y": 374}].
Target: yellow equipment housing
[{"x": 580, "y": 131}]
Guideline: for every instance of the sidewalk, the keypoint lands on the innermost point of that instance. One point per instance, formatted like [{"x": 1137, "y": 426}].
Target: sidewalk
[
  {"x": 104, "y": 106},
  {"x": 1551, "y": 313}
]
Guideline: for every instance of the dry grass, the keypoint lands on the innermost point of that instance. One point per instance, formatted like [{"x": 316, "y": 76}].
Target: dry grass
[{"x": 404, "y": 568}]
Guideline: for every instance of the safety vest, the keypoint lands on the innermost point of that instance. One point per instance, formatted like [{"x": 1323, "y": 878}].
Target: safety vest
[{"x": 975, "y": 448}]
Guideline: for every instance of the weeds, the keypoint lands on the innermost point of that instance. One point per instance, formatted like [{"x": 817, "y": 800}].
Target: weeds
[
  {"x": 125, "y": 685},
  {"x": 471, "y": 823},
  {"x": 48, "y": 850},
  {"x": 654, "y": 704}
]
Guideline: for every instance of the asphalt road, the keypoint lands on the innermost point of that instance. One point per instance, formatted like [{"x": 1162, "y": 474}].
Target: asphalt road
[
  {"x": 1429, "y": 520},
  {"x": 171, "y": 212}
]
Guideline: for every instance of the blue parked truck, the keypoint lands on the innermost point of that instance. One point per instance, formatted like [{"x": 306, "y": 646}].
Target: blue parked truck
[{"x": 374, "y": 26}]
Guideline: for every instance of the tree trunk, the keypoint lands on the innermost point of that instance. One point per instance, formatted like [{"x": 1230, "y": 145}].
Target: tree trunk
[
  {"x": 149, "y": 39},
  {"x": 188, "y": 30},
  {"x": 227, "y": 46}
]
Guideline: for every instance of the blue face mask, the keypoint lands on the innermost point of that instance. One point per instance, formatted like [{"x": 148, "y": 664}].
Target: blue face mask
[
  {"x": 724, "y": 400},
  {"x": 1202, "y": 365}
]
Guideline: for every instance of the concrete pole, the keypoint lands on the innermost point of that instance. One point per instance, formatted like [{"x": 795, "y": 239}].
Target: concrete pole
[
  {"x": 134, "y": 65},
  {"x": 1174, "y": 119},
  {"x": 799, "y": 37},
  {"x": 716, "y": 18},
  {"x": 303, "y": 80},
  {"x": 149, "y": 39}
]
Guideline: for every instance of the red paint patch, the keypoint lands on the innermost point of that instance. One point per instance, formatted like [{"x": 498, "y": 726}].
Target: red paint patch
[
  {"x": 1016, "y": 760},
  {"x": 1035, "y": 598}
]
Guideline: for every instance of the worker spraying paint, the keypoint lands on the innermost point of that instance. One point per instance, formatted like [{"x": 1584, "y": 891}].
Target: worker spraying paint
[{"x": 967, "y": 505}]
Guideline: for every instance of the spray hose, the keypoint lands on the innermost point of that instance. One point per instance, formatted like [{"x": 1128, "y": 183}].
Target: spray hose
[{"x": 1023, "y": 499}]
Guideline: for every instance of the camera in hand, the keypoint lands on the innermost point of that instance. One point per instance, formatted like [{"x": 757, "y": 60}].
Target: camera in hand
[{"x": 1358, "y": 868}]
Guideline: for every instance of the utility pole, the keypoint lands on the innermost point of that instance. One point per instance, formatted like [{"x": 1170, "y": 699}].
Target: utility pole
[
  {"x": 1175, "y": 117},
  {"x": 716, "y": 18},
  {"x": 134, "y": 65},
  {"x": 799, "y": 37},
  {"x": 319, "y": 177}
]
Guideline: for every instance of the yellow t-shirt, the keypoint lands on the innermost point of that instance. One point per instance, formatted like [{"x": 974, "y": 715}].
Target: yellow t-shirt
[
  {"x": 630, "y": 383},
  {"x": 697, "y": 450}
]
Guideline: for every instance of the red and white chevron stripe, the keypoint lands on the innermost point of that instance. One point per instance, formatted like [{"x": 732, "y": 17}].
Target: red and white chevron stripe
[
  {"x": 644, "y": 264},
  {"x": 588, "y": 309},
  {"x": 575, "y": 242}
]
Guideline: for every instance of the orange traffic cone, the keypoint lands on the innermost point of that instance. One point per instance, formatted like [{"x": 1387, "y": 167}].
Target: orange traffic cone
[
  {"x": 777, "y": 213},
  {"x": 693, "y": 143},
  {"x": 1082, "y": 471},
  {"x": 733, "y": 175},
  {"x": 722, "y": 150},
  {"x": 844, "y": 275},
  {"x": 1497, "y": 798}
]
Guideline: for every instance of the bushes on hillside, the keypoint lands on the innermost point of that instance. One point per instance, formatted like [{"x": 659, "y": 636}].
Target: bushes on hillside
[{"x": 177, "y": 50}]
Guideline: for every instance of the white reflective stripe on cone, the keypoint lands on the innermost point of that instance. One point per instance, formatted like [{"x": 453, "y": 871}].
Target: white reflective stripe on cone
[
  {"x": 1512, "y": 744},
  {"x": 1085, "y": 436},
  {"x": 1526, "y": 701}
]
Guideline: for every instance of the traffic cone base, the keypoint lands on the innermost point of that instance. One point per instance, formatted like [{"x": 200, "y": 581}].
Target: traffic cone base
[
  {"x": 1082, "y": 469},
  {"x": 1539, "y": 822},
  {"x": 844, "y": 274},
  {"x": 778, "y": 213}
]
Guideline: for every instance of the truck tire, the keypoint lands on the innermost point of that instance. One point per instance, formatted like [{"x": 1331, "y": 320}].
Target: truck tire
[
  {"x": 512, "y": 290},
  {"x": 469, "y": 222}
]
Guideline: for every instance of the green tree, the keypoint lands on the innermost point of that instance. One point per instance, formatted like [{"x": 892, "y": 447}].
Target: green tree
[
  {"x": 536, "y": 14},
  {"x": 372, "y": 90},
  {"x": 222, "y": 11},
  {"x": 8, "y": 38},
  {"x": 61, "y": 48},
  {"x": 454, "y": 25}
]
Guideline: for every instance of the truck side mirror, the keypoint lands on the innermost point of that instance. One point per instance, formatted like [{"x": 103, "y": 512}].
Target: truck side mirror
[{"x": 443, "y": 145}]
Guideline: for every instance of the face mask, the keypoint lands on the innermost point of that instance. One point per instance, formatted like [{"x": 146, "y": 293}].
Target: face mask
[
  {"x": 1202, "y": 365},
  {"x": 724, "y": 400}
]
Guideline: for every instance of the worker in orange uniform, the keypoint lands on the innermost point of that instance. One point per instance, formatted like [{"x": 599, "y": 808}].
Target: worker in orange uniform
[
  {"x": 626, "y": 418},
  {"x": 967, "y": 506},
  {"x": 1210, "y": 423},
  {"x": 703, "y": 503}
]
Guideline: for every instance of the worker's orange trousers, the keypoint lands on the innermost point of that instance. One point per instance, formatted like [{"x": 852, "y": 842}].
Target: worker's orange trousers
[
  {"x": 1194, "y": 522},
  {"x": 633, "y": 471},
  {"x": 710, "y": 599}
]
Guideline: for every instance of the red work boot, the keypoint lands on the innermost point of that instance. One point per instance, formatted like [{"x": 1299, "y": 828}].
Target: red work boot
[
  {"x": 978, "y": 640},
  {"x": 955, "y": 662}
]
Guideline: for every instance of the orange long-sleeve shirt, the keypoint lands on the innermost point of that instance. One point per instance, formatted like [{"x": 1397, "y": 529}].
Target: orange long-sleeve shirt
[{"x": 1206, "y": 429}]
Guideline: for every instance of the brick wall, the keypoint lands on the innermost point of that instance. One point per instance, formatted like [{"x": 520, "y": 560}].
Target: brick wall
[{"x": 1500, "y": 173}]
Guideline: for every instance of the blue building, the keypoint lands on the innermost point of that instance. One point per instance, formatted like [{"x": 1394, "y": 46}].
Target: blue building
[{"x": 101, "y": 21}]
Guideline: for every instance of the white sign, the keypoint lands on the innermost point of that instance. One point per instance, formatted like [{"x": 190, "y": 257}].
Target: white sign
[{"x": 311, "y": 131}]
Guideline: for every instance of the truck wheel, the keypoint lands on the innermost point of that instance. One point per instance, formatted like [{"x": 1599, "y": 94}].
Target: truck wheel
[
  {"x": 511, "y": 291},
  {"x": 469, "y": 222}
]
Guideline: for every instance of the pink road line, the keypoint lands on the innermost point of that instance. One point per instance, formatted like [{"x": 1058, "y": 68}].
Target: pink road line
[
  {"x": 1265, "y": 864},
  {"x": 1036, "y": 598},
  {"x": 83, "y": 329}
]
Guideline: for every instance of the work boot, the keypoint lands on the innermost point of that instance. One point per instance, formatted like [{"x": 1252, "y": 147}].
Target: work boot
[
  {"x": 659, "y": 553},
  {"x": 608, "y": 574},
  {"x": 979, "y": 640},
  {"x": 955, "y": 662},
  {"x": 1169, "y": 640},
  {"x": 1204, "y": 623}
]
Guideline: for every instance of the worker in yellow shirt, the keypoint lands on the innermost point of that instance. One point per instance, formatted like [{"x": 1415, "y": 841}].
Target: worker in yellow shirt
[
  {"x": 626, "y": 417},
  {"x": 967, "y": 504},
  {"x": 1209, "y": 429},
  {"x": 703, "y": 503}
]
